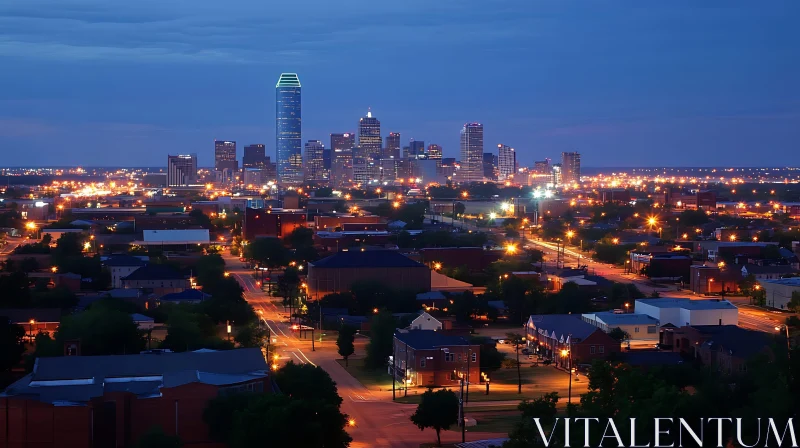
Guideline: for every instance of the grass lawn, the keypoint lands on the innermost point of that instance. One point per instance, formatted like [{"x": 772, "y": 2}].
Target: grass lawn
[
  {"x": 493, "y": 421},
  {"x": 377, "y": 379}
]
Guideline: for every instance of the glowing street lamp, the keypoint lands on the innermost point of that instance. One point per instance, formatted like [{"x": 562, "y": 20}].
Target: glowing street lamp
[
  {"x": 464, "y": 194},
  {"x": 437, "y": 266},
  {"x": 511, "y": 249},
  {"x": 732, "y": 238},
  {"x": 615, "y": 240}
]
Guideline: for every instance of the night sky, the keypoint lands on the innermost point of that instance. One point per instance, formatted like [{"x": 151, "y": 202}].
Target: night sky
[{"x": 626, "y": 83}]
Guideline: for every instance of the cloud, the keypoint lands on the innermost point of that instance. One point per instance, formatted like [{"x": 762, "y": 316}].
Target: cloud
[{"x": 17, "y": 127}]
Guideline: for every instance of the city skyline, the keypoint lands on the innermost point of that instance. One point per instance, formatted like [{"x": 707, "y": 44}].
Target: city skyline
[{"x": 625, "y": 87}]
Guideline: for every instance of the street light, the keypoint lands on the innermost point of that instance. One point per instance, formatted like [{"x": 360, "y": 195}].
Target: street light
[
  {"x": 615, "y": 240},
  {"x": 627, "y": 305},
  {"x": 437, "y": 266},
  {"x": 511, "y": 249},
  {"x": 464, "y": 194}
]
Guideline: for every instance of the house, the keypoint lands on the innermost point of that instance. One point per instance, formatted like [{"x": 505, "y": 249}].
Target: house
[
  {"x": 767, "y": 272},
  {"x": 185, "y": 296},
  {"x": 727, "y": 348},
  {"x": 567, "y": 337},
  {"x": 426, "y": 321},
  {"x": 121, "y": 266},
  {"x": 143, "y": 322},
  {"x": 556, "y": 278},
  {"x": 426, "y": 358},
  {"x": 639, "y": 327},
  {"x": 158, "y": 278},
  {"x": 779, "y": 292},
  {"x": 433, "y": 299},
  {"x": 338, "y": 272},
  {"x": 100, "y": 401},
  {"x": 684, "y": 312}
]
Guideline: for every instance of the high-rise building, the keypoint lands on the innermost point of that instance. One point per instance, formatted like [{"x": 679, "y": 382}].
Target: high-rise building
[
  {"x": 369, "y": 137},
  {"x": 434, "y": 152},
  {"x": 366, "y": 170},
  {"x": 489, "y": 166},
  {"x": 225, "y": 155},
  {"x": 255, "y": 156},
  {"x": 343, "y": 141},
  {"x": 416, "y": 149},
  {"x": 326, "y": 159},
  {"x": 542, "y": 166},
  {"x": 471, "y": 153},
  {"x": 571, "y": 167},
  {"x": 448, "y": 167},
  {"x": 314, "y": 167},
  {"x": 288, "y": 126},
  {"x": 557, "y": 174},
  {"x": 181, "y": 170},
  {"x": 391, "y": 149},
  {"x": 506, "y": 162},
  {"x": 341, "y": 166}
]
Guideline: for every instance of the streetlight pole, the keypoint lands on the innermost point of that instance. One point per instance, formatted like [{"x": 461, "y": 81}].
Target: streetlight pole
[{"x": 461, "y": 412}]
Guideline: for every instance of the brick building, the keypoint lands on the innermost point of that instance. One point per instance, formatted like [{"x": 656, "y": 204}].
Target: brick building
[
  {"x": 554, "y": 334},
  {"x": 474, "y": 258},
  {"x": 430, "y": 358},
  {"x": 111, "y": 401},
  {"x": 270, "y": 223},
  {"x": 157, "y": 278},
  {"x": 726, "y": 348},
  {"x": 338, "y": 272},
  {"x": 339, "y": 220}
]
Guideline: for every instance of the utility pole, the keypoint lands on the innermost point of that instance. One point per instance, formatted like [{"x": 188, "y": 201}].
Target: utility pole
[
  {"x": 461, "y": 413},
  {"x": 469, "y": 357},
  {"x": 394, "y": 367}
]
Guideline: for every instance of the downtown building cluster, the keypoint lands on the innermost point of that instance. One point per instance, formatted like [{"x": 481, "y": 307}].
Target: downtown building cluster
[{"x": 364, "y": 157}]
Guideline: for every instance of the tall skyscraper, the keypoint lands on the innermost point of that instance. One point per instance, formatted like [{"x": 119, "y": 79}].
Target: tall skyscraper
[
  {"x": 490, "y": 166},
  {"x": 542, "y": 166},
  {"x": 434, "y": 152},
  {"x": 506, "y": 162},
  {"x": 416, "y": 149},
  {"x": 557, "y": 174},
  {"x": 391, "y": 149},
  {"x": 288, "y": 126},
  {"x": 225, "y": 155},
  {"x": 369, "y": 137},
  {"x": 314, "y": 164},
  {"x": 343, "y": 141},
  {"x": 341, "y": 166},
  {"x": 570, "y": 167},
  {"x": 471, "y": 153},
  {"x": 255, "y": 156},
  {"x": 181, "y": 170}
]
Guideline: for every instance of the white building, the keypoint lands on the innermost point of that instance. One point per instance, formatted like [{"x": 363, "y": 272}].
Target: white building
[
  {"x": 639, "y": 327},
  {"x": 683, "y": 312},
  {"x": 425, "y": 322},
  {"x": 121, "y": 266},
  {"x": 177, "y": 237}
]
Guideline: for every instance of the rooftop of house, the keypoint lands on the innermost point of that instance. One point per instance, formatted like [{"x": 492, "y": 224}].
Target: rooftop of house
[
  {"x": 733, "y": 339},
  {"x": 688, "y": 304},
  {"x": 650, "y": 358},
  {"x": 562, "y": 325},
  {"x": 141, "y": 318},
  {"x": 367, "y": 259},
  {"x": 776, "y": 269},
  {"x": 428, "y": 339},
  {"x": 791, "y": 281},
  {"x": 566, "y": 272},
  {"x": 78, "y": 379},
  {"x": 613, "y": 319},
  {"x": 155, "y": 272}
]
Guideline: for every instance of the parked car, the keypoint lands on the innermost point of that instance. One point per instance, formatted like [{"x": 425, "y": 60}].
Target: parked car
[{"x": 526, "y": 351}]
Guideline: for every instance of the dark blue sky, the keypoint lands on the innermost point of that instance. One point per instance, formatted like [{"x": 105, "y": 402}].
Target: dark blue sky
[{"x": 626, "y": 83}]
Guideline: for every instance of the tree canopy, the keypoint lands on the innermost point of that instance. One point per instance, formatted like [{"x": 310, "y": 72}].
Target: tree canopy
[{"x": 437, "y": 410}]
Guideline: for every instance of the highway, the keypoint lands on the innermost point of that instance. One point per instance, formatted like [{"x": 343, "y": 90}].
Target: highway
[{"x": 379, "y": 422}]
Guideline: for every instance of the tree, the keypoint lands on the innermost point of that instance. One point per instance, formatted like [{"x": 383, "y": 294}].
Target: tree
[
  {"x": 794, "y": 302},
  {"x": 287, "y": 421},
  {"x": 12, "y": 344},
  {"x": 220, "y": 413},
  {"x": 267, "y": 252},
  {"x": 618, "y": 334},
  {"x": 250, "y": 335},
  {"x": 437, "y": 410},
  {"x": 381, "y": 341},
  {"x": 525, "y": 433},
  {"x": 190, "y": 330},
  {"x": 345, "y": 343},
  {"x": 491, "y": 358},
  {"x": 307, "y": 382},
  {"x": 70, "y": 244},
  {"x": 516, "y": 340},
  {"x": 157, "y": 438},
  {"x": 101, "y": 331},
  {"x": 200, "y": 218}
]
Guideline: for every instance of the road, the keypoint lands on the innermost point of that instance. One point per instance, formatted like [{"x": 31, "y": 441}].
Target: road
[{"x": 379, "y": 423}]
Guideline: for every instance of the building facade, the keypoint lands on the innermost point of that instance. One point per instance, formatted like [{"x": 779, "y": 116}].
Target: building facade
[
  {"x": 288, "y": 128},
  {"x": 254, "y": 156},
  {"x": 471, "y": 153},
  {"x": 416, "y": 149},
  {"x": 570, "y": 167},
  {"x": 391, "y": 149},
  {"x": 314, "y": 164},
  {"x": 426, "y": 358},
  {"x": 342, "y": 167},
  {"x": 506, "y": 162},
  {"x": 181, "y": 170},
  {"x": 489, "y": 166},
  {"x": 369, "y": 137},
  {"x": 226, "y": 166}
]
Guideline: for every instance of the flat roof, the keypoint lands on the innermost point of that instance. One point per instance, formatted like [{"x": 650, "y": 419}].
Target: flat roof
[
  {"x": 612, "y": 319},
  {"x": 688, "y": 304},
  {"x": 791, "y": 281}
]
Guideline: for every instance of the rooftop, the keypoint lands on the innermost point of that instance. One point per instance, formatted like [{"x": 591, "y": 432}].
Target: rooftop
[
  {"x": 428, "y": 339},
  {"x": 288, "y": 80},
  {"x": 123, "y": 261},
  {"x": 562, "y": 325},
  {"x": 155, "y": 272},
  {"x": 187, "y": 295},
  {"x": 367, "y": 259},
  {"x": 24, "y": 315},
  {"x": 616, "y": 319},
  {"x": 688, "y": 304},
  {"x": 81, "y": 378},
  {"x": 734, "y": 339},
  {"x": 779, "y": 269},
  {"x": 791, "y": 281}
]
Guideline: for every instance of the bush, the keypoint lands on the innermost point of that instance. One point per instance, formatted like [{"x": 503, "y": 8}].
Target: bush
[{"x": 509, "y": 363}]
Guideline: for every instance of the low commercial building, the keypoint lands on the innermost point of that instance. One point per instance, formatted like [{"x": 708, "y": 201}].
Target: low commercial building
[
  {"x": 565, "y": 337},
  {"x": 336, "y": 241},
  {"x": 331, "y": 222},
  {"x": 473, "y": 258},
  {"x": 338, "y": 272},
  {"x": 663, "y": 265},
  {"x": 767, "y": 272},
  {"x": 427, "y": 358},
  {"x": 727, "y": 348},
  {"x": 33, "y": 320},
  {"x": 278, "y": 223},
  {"x": 174, "y": 238},
  {"x": 157, "y": 278},
  {"x": 639, "y": 327},
  {"x": 109, "y": 401},
  {"x": 684, "y": 312},
  {"x": 711, "y": 279},
  {"x": 779, "y": 292},
  {"x": 121, "y": 266}
]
